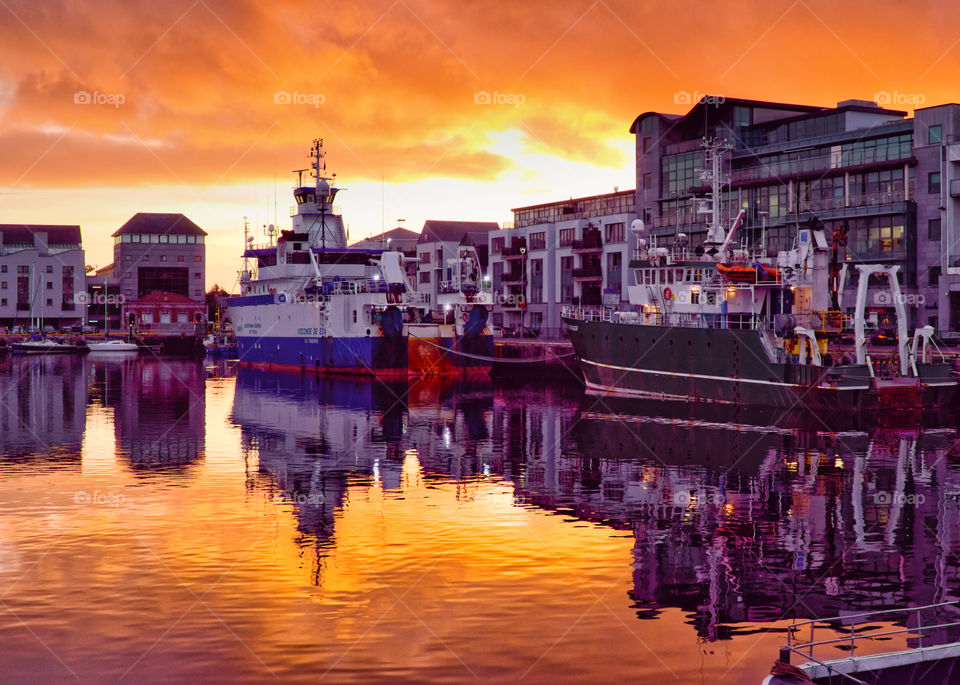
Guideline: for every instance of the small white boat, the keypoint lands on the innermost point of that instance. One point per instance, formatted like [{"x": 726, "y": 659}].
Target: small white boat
[
  {"x": 113, "y": 346},
  {"x": 44, "y": 346}
]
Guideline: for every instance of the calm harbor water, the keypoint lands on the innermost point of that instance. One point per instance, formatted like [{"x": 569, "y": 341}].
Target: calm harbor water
[{"x": 165, "y": 520}]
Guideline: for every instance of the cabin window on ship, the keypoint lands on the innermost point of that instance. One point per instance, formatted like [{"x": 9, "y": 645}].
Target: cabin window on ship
[
  {"x": 670, "y": 276},
  {"x": 647, "y": 279},
  {"x": 679, "y": 275}
]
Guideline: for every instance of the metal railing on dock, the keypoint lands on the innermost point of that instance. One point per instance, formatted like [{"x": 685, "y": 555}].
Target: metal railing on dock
[{"x": 805, "y": 648}]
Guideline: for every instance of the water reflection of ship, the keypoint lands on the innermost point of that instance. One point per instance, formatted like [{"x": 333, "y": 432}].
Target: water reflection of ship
[
  {"x": 43, "y": 403},
  {"x": 315, "y": 436},
  {"x": 159, "y": 408},
  {"x": 804, "y": 524},
  {"x": 740, "y": 525}
]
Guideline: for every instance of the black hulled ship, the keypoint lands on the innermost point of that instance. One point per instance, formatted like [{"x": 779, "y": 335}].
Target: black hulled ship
[{"x": 718, "y": 323}]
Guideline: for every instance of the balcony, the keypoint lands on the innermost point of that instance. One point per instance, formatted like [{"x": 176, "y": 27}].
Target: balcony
[
  {"x": 512, "y": 276},
  {"x": 514, "y": 251},
  {"x": 591, "y": 242},
  {"x": 588, "y": 273}
]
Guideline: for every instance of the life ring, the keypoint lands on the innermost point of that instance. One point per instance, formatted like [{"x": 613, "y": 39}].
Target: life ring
[{"x": 667, "y": 293}]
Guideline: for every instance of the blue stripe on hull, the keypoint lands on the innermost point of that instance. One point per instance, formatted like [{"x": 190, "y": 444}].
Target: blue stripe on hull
[
  {"x": 360, "y": 355},
  {"x": 357, "y": 355}
]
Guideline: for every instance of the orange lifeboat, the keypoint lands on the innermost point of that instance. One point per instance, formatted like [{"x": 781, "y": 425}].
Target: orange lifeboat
[{"x": 744, "y": 273}]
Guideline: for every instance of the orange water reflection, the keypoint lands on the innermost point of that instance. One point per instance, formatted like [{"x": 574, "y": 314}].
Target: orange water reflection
[{"x": 352, "y": 532}]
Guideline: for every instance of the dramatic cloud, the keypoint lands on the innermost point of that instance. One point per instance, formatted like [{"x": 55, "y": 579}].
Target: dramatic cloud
[{"x": 207, "y": 92}]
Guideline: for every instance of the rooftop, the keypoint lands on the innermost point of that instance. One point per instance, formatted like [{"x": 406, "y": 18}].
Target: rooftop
[
  {"x": 154, "y": 223},
  {"x": 22, "y": 234},
  {"x": 436, "y": 230}
]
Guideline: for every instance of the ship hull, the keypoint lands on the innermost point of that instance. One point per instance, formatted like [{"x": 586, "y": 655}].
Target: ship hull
[
  {"x": 397, "y": 357},
  {"x": 726, "y": 366}
]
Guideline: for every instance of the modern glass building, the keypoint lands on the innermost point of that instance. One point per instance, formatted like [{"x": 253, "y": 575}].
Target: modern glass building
[{"x": 891, "y": 180}]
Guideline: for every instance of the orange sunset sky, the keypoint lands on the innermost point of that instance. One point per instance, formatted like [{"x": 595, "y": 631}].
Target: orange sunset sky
[{"x": 185, "y": 118}]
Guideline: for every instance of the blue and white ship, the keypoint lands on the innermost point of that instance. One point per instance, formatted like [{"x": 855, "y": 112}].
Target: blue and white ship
[{"x": 309, "y": 303}]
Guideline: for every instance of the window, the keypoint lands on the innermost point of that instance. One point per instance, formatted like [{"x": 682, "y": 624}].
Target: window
[
  {"x": 567, "y": 236},
  {"x": 3, "y": 285},
  {"x": 566, "y": 279},
  {"x": 933, "y": 182},
  {"x": 538, "y": 241},
  {"x": 536, "y": 280},
  {"x": 4, "y": 302},
  {"x": 424, "y": 276},
  {"x": 49, "y": 268},
  {"x": 49, "y": 285},
  {"x": 3, "y": 268},
  {"x": 163, "y": 258},
  {"x": 67, "y": 297},
  {"x": 934, "y": 276},
  {"x": 615, "y": 232},
  {"x": 145, "y": 258},
  {"x": 615, "y": 271},
  {"x": 128, "y": 258},
  {"x": 648, "y": 181},
  {"x": 49, "y": 302},
  {"x": 425, "y": 257},
  {"x": 646, "y": 144},
  {"x": 196, "y": 275},
  {"x": 179, "y": 257},
  {"x": 196, "y": 258},
  {"x": 933, "y": 229},
  {"x": 935, "y": 135}
]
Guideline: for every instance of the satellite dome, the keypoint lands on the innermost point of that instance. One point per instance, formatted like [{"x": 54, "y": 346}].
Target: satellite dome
[{"x": 637, "y": 227}]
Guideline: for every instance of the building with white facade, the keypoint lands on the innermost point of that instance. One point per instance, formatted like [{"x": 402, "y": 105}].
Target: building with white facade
[
  {"x": 41, "y": 276},
  {"x": 569, "y": 252},
  {"x": 438, "y": 251}
]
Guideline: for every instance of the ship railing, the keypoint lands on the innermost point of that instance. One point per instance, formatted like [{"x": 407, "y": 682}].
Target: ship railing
[
  {"x": 587, "y": 312},
  {"x": 416, "y": 298},
  {"x": 355, "y": 287},
  {"x": 452, "y": 287},
  {"x": 849, "y": 643}
]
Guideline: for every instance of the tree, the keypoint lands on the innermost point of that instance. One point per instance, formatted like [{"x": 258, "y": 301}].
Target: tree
[{"x": 215, "y": 298}]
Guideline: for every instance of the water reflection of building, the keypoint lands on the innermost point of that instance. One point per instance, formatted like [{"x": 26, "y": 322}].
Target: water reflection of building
[
  {"x": 159, "y": 408},
  {"x": 43, "y": 403},
  {"x": 734, "y": 522}
]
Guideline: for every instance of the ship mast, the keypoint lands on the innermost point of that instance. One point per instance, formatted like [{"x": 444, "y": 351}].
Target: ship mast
[{"x": 714, "y": 150}]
